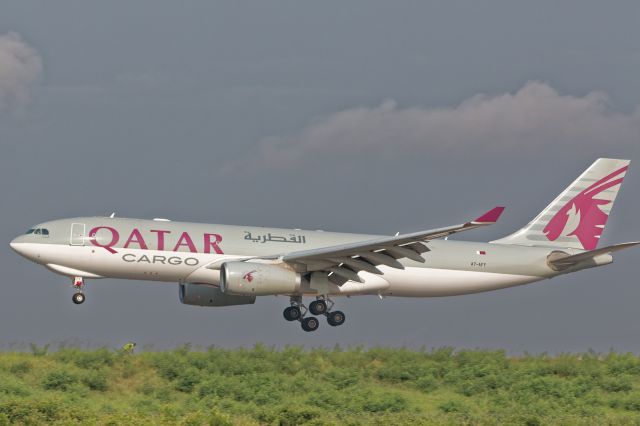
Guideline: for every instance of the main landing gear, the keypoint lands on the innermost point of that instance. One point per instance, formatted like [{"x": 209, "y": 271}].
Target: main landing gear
[
  {"x": 78, "y": 297},
  {"x": 298, "y": 311}
]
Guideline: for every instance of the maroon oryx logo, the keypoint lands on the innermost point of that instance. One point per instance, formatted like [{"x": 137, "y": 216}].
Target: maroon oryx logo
[
  {"x": 582, "y": 216},
  {"x": 248, "y": 277}
]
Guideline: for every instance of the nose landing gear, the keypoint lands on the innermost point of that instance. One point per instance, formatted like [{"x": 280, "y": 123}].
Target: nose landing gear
[{"x": 78, "y": 297}]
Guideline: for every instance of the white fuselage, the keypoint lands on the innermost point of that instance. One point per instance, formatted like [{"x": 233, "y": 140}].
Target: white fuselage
[{"x": 451, "y": 267}]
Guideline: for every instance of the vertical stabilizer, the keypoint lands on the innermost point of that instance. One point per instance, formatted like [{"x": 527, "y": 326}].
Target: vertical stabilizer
[{"x": 577, "y": 217}]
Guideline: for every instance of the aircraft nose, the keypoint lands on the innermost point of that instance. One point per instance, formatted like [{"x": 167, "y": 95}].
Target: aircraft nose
[{"x": 18, "y": 245}]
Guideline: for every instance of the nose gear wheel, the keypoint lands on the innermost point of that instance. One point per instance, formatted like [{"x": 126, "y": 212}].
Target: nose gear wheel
[{"x": 78, "y": 297}]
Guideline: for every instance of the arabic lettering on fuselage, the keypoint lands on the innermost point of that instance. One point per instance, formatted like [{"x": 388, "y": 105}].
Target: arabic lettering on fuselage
[
  {"x": 270, "y": 238},
  {"x": 108, "y": 237}
]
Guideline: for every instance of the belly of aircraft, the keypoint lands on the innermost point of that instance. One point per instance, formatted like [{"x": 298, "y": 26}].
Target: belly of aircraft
[
  {"x": 433, "y": 282},
  {"x": 190, "y": 267}
]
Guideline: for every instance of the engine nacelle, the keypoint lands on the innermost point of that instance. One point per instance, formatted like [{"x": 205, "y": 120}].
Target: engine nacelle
[
  {"x": 246, "y": 278},
  {"x": 206, "y": 295}
]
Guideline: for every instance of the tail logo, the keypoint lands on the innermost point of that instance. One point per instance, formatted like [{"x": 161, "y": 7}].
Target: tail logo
[{"x": 582, "y": 216}]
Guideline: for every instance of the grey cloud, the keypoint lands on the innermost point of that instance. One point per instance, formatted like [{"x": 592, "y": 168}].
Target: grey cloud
[
  {"x": 20, "y": 70},
  {"x": 531, "y": 120}
]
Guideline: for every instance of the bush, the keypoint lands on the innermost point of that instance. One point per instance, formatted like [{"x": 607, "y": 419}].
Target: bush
[
  {"x": 169, "y": 367},
  {"x": 187, "y": 380},
  {"x": 342, "y": 377},
  {"x": 622, "y": 383},
  {"x": 546, "y": 387},
  {"x": 629, "y": 403},
  {"x": 59, "y": 380},
  {"x": 327, "y": 399},
  {"x": 218, "y": 418},
  {"x": 39, "y": 350},
  {"x": 128, "y": 368},
  {"x": 297, "y": 386},
  {"x": 20, "y": 368},
  {"x": 426, "y": 384},
  {"x": 11, "y": 386},
  {"x": 292, "y": 416},
  {"x": 94, "y": 359},
  {"x": 623, "y": 364},
  {"x": 398, "y": 373},
  {"x": 453, "y": 406},
  {"x": 96, "y": 380},
  {"x": 376, "y": 402},
  {"x": 37, "y": 411}
]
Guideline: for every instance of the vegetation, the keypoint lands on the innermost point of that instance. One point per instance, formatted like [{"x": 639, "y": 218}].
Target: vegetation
[{"x": 294, "y": 386}]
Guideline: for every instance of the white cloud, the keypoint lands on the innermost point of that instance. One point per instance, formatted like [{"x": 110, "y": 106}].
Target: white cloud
[
  {"x": 20, "y": 70},
  {"x": 535, "y": 120}
]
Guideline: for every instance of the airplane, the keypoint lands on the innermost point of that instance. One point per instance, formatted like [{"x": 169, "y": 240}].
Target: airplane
[{"x": 223, "y": 265}]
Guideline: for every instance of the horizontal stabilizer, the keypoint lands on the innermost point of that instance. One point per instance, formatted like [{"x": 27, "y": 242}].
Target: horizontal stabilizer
[{"x": 569, "y": 261}]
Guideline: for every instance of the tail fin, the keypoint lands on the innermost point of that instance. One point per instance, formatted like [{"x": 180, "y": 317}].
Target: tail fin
[{"x": 576, "y": 218}]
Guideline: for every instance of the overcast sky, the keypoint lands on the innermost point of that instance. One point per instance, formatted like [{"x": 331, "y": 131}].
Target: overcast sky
[{"x": 357, "y": 116}]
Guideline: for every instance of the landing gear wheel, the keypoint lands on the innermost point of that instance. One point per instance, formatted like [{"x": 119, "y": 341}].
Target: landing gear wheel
[
  {"x": 310, "y": 323},
  {"x": 292, "y": 313},
  {"x": 78, "y": 298},
  {"x": 318, "y": 307},
  {"x": 335, "y": 318}
]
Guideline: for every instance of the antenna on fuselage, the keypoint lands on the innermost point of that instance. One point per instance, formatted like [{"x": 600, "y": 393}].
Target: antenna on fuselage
[{"x": 112, "y": 215}]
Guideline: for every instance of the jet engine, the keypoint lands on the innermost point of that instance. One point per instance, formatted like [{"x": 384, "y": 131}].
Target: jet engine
[
  {"x": 246, "y": 278},
  {"x": 206, "y": 295}
]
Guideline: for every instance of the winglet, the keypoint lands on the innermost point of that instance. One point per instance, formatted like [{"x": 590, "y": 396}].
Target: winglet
[{"x": 491, "y": 216}]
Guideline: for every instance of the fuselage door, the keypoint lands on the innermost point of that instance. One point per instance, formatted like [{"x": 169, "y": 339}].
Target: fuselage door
[{"x": 77, "y": 234}]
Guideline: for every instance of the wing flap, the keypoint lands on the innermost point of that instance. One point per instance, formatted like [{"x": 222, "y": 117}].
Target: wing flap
[
  {"x": 357, "y": 264},
  {"x": 399, "y": 252},
  {"x": 346, "y": 273}
]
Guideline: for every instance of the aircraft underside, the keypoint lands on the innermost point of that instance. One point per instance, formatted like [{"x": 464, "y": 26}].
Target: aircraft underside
[{"x": 201, "y": 286}]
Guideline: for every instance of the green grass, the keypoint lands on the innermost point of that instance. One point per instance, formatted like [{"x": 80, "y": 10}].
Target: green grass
[{"x": 320, "y": 386}]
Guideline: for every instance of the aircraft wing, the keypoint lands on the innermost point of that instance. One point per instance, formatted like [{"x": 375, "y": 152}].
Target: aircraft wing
[{"x": 343, "y": 262}]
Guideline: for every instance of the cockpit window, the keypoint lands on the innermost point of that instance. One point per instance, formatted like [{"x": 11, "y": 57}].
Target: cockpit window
[{"x": 39, "y": 231}]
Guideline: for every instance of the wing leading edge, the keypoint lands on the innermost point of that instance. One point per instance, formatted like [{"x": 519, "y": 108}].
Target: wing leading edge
[{"x": 343, "y": 262}]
